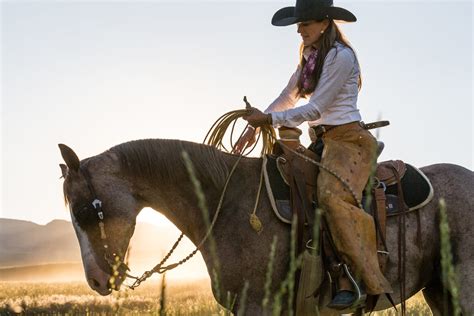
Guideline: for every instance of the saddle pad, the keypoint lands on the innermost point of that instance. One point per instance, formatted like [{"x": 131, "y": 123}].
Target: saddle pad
[
  {"x": 417, "y": 189},
  {"x": 278, "y": 191}
]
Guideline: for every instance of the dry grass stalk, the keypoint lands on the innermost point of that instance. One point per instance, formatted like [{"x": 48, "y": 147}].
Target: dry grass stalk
[
  {"x": 162, "y": 311},
  {"x": 449, "y": 277},
  {"x": 243, "y": 299},
  {"x": 269, "y": 274},
  {"x": 205, "y": 212}
]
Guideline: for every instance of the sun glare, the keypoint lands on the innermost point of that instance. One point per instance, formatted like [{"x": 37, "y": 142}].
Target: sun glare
[{"x": 149, "y": 215}]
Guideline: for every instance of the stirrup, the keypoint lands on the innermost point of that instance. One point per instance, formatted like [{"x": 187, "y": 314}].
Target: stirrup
[
  {"x": 358, "y": 302},
  {"x": 360, "y": 296}
]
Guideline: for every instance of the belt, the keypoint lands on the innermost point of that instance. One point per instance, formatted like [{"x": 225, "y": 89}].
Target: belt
[{"x": 318, "y": 130}]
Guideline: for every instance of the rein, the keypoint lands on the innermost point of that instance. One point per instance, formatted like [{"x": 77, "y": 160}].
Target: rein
[{"x": 113, "y": 259}]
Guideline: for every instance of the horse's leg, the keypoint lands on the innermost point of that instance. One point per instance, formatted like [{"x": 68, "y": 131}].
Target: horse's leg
[{"x": 436, "y": 300}]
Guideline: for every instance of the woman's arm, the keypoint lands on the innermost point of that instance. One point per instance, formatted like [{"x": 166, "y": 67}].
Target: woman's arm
[
  {"x": 336, "y": 70},
  {"x": 288, "y": 97}
]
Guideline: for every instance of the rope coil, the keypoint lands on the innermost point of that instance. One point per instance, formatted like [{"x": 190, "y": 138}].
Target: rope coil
[{"x": 216, "y": 134}]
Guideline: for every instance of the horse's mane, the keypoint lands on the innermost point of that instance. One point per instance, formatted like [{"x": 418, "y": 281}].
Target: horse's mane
[{"x": 161, "y": 159}]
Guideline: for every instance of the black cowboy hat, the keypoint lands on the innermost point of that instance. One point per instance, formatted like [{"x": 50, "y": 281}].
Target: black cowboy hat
[{"x": 306, "y": 10}]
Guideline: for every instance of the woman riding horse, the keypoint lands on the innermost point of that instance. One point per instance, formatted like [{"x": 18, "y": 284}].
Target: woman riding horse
[{"x": 328, "y": 75}]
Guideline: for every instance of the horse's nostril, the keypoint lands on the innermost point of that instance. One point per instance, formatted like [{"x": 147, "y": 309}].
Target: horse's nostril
[{"x": 95, "y": 283}]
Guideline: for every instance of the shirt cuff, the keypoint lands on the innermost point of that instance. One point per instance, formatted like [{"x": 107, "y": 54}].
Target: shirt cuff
[
  {"x": 278, "y": 118},
  {"x": 296, "y": 116}
]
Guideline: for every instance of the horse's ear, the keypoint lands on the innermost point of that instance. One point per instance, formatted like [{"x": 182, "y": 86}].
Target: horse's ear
[
  {"x": 70, "y": 157},
  {"x": 64, "y": 170}
]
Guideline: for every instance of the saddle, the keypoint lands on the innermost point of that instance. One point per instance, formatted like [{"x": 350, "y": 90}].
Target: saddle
[
  {"x": 297, "y": 167},
  {"x": 291, "y": 179},
  {"x": 279, "y": 168}
]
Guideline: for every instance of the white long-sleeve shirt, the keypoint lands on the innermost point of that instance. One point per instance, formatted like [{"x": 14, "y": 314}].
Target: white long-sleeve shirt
[{"x": 333, "y": 102}]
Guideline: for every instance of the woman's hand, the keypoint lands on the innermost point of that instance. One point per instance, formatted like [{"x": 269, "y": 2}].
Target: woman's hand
[
  {"x": 257, "y": 118},
  {"x": 246, "y": 140}
]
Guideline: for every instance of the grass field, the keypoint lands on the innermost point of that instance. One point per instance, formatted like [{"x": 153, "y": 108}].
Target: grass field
[{"x": 78, "y": 299}]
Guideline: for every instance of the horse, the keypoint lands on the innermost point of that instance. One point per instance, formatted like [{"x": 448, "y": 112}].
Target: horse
[{"x": 152, "y": 173}]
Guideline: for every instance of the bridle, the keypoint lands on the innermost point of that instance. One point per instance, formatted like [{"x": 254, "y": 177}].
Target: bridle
[
  {"x": 115, "y": 262},
  {"x": 113, "y": 259}
]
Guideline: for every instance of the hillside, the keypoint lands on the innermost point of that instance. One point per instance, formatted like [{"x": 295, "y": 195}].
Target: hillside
[
  {"x": 27, "y": 243},
  {"x": 52, "y": 250}
]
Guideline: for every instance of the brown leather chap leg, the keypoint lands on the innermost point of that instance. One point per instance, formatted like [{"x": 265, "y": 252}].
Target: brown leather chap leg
[{"x": 350, "y": 151}]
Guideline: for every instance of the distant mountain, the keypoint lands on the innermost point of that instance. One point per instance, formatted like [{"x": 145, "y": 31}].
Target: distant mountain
[
  {"x": 24, "y": 243},
  {"x": 27, "y": 243}
]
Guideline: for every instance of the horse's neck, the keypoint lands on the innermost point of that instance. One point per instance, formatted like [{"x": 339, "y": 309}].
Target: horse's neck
[{"x": 178, "y": 200}]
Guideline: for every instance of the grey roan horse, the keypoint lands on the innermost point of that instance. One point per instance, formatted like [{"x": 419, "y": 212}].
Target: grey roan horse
[{"x": 151, "y": 173}]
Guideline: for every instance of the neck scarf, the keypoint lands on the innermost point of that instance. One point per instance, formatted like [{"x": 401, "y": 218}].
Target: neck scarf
[{"x": 307, "y": 78}]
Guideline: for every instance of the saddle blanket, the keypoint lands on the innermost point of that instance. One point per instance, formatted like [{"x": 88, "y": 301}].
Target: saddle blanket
[{"x": 417, "y": 191}]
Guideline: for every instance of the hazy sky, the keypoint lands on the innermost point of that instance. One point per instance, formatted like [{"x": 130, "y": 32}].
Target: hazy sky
[{"x": 95, "y": 74}]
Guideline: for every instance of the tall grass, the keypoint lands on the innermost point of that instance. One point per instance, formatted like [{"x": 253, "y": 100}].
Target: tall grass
[
  {"x": 449, "y": 277},
  {"x": 316, "y": 230},
  {"x": 162, "y": 311},
  {"x": 294, "y": 265},
  {"x": 287, "y": 285},
  {"x": 269, "y": 274},
  {"x": 243, "y": 299},
  {"x": 215, "y": 279},
  {"x": 205, "y": 213}
]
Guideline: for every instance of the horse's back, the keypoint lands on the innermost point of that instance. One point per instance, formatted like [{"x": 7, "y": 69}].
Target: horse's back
[{"x": 454, "y": 184}]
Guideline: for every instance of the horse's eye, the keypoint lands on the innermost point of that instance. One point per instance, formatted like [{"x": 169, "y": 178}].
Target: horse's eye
[{"x": 81, "y": 210}]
